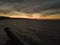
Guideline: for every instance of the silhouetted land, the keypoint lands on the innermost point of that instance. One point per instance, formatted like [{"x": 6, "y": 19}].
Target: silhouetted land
[
  {"x": 3, "y": 17},
  {"x": 33, "y": 32}
]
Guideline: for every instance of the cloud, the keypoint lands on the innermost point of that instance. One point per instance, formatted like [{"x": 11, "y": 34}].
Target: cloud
[
  {"x": 44, "y": 7},
  {"x": 12, "y": 1}
]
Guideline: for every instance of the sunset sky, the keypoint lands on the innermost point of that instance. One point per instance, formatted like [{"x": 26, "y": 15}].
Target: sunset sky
[{"x": 34, "y": 9}]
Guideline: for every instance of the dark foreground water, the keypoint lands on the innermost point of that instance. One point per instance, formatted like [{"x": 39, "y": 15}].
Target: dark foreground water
[{"x": 33, "y": 32}]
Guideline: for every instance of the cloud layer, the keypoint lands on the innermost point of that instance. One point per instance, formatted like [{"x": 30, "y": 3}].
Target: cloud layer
[{"x": 44, "y": 7}]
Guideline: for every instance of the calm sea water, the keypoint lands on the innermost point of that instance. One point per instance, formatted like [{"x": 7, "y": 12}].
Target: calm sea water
[{"x": 34, "y": 32}]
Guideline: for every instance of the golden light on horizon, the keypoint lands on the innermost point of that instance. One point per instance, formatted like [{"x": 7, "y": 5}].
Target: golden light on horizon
[{"x": 31, "y": 16}]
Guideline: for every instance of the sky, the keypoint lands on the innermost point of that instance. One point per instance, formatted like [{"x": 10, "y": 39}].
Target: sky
[{"x": 38, "y": 9}]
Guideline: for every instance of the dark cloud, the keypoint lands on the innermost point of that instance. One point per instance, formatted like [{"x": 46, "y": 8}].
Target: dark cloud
[
  {"x": 21, "y": 0},
  {"x": 48, "y": 5},
  {"x": 12, "y": 0},
  {"x": 31, "y": 6}
]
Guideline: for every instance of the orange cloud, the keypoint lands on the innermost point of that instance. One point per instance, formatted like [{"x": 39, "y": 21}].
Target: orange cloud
[{"x": 31, "y": 16}]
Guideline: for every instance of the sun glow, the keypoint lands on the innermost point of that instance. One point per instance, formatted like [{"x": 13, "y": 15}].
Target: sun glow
[{"x": 30, "y": 16}]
